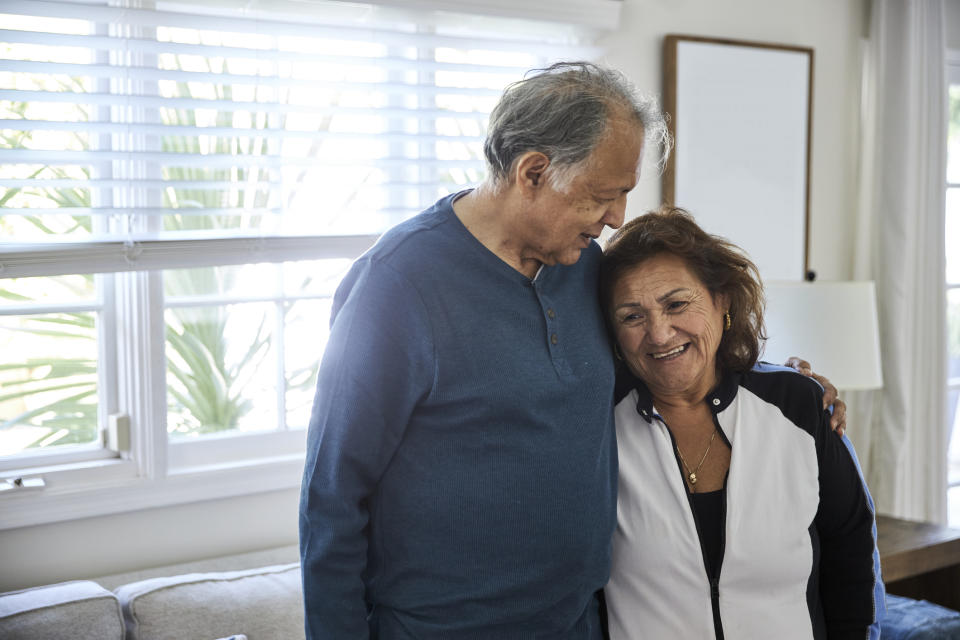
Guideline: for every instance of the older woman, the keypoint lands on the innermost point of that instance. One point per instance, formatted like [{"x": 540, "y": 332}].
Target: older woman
[{"x": 740, "y": 514}]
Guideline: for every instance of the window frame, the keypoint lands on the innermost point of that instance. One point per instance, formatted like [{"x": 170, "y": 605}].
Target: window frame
[{"x": 87, "y": 481}]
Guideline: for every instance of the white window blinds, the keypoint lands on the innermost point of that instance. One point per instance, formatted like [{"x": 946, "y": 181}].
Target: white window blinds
[{"x": 163, "y": 135}]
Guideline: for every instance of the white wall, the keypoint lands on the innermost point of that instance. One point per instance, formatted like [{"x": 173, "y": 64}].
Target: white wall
[
  {"x": 153, "y": 537},
  {"x": 126, "y": 542}
]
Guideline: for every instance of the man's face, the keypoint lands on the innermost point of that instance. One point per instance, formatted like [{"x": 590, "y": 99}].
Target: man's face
[{"x": 562, "y": 223}]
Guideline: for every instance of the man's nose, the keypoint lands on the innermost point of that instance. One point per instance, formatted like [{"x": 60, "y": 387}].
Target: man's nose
[{"x": 616, "y": 212}]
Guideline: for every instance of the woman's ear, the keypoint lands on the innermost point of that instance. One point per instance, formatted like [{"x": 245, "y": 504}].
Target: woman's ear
[{"x": 722, "y": 302}]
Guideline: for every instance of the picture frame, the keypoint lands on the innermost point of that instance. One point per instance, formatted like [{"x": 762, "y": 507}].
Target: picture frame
[{"x": 741, "y": 116}]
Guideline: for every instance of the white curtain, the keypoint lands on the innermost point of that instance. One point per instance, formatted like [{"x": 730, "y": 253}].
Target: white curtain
[{"x": 901, "y": 431}]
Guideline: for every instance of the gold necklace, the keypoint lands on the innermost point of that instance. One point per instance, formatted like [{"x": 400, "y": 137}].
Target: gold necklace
[{"x": 692, "y": 475}]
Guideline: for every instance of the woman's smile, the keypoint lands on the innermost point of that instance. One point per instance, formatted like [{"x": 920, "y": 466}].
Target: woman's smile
[{"x": 671, "y": 353}]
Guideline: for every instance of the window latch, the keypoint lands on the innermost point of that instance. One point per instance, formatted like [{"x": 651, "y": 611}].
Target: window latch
[
  {"x": 118, "y": 433},
  {"x": 22, "y": 484}
]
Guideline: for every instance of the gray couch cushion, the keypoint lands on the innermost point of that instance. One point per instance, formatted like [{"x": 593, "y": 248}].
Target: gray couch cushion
[
  {"x": 263, "y": 604},
  {"x": 64, "y": 611},
  {"x": 234, "y": 562}
]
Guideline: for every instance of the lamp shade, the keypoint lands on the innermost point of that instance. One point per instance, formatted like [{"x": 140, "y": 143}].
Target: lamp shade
[{"x": 832, "y": 325}]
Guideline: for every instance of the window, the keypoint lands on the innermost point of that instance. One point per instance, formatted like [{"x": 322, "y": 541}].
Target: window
[
  {"x": 182, "y": 190},
  {"x": 952, "y": 239}
]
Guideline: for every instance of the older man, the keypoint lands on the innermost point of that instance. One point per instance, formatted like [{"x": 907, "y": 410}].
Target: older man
[{"x": 461, "y": 464}]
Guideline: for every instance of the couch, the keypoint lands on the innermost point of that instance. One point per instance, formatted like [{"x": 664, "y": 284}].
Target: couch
[
  {"x": 259, "y": 603},
  {"x": 201, "y": 601}
]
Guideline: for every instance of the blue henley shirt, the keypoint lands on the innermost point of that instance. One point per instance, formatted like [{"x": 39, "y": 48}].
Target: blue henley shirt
[{"x": 460, "y": 478}]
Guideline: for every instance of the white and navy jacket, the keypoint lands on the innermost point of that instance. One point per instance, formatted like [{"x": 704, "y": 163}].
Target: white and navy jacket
[{"x": 799, "y": 556}]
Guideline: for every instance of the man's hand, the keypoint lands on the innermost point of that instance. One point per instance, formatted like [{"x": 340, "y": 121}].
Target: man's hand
[{"x": 838, "y": 421}]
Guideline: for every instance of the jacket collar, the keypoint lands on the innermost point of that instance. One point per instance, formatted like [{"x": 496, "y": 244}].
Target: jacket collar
[{"x": 718, "y": 399}]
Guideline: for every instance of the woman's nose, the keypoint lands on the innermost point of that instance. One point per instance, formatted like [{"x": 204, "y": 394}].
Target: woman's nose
[{"x": 659, "y": 329}]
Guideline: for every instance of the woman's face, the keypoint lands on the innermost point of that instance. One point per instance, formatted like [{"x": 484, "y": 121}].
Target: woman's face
[{"x": 668, "y": 327}]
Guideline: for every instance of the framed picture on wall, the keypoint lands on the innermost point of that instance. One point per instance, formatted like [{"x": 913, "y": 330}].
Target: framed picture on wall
[{"x": 740, "y": 114}]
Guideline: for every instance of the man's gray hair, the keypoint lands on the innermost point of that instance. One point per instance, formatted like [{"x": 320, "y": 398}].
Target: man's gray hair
[{"x": 563, "y": 111}]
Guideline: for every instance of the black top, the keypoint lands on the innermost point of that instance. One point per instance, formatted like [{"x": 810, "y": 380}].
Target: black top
[{"x": 708, "y": 509}]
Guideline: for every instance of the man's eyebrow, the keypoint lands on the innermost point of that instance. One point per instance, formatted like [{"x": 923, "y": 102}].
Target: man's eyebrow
[{"x": 616, "y": 189}]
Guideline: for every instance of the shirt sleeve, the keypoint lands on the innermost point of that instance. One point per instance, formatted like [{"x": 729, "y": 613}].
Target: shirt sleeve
[
  {"x": 377, "y": 366},
  {"x": 851, "y": 590}
]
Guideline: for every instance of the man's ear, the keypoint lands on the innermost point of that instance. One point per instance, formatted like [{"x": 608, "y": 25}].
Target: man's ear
[{"x": 530, "y": 170}]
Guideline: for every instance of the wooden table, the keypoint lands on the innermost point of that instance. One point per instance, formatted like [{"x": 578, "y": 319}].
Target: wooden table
[{"x": 920, "y": 560}]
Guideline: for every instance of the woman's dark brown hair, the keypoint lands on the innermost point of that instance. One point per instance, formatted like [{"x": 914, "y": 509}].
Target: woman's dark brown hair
[{"x": 721, "y": 266}]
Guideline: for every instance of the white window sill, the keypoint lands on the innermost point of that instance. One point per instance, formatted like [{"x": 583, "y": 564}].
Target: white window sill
[{"x": 113, "y": 486}]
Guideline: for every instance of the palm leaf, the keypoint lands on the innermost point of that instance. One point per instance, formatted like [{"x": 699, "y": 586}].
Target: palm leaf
[{"x": 57, "y": 407}]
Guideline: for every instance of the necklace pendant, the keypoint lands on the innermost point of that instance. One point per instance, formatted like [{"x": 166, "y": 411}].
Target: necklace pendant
[{"x": 693, "y": 478}]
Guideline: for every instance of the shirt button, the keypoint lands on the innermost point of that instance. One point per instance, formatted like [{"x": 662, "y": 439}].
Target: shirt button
[
  {"x": 554, "y": 339},
  {"x": 551, "y": 314},
  {"x": 716, "y": 402}
]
